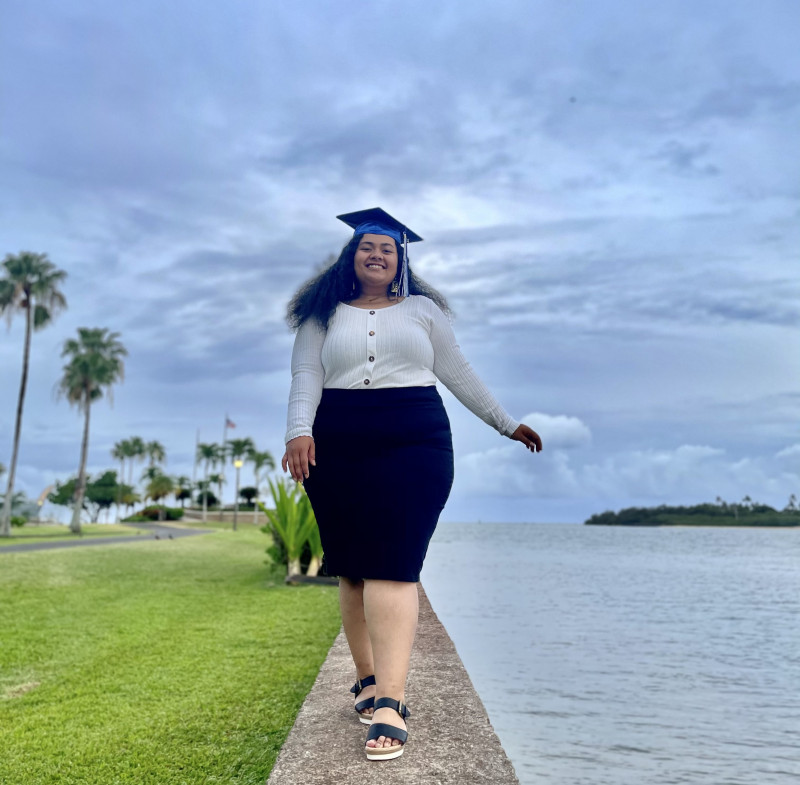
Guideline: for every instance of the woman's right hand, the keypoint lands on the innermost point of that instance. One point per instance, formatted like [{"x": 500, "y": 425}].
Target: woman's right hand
[{"x": 299, "y": 454}]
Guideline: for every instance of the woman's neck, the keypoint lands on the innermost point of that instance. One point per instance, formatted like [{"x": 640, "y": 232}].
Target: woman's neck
[{"x": 367, "y": 297}]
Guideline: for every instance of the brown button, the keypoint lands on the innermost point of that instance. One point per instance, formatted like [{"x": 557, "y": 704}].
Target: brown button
[
  {"x": 366, "y": 381},
  {"x": 372, "y": 332},
  {"x": 372, "y": 313},
  {"x": 372, "y": 359}
]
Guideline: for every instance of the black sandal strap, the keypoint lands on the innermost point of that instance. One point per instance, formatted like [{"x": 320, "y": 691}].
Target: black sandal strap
[
  {"x": 390, "y": 731},
  {"x": 361, "y": 683},
  {"x": 365, "y": 704},
  {"x": 391, "y": 703}
]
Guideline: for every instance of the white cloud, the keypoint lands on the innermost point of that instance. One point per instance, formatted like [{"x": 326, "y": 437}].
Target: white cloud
[
  {"x": 559, "y": 431},
  {"x": 685, "y": 475},
  {"x": 793, "y": 451}
]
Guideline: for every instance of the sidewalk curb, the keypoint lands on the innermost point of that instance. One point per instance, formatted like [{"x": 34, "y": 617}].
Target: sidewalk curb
[{"x": 451, "y": 740}]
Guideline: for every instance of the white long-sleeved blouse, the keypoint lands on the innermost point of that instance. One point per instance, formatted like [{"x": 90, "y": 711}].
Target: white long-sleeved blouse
[{"x": 410, "y": 344}]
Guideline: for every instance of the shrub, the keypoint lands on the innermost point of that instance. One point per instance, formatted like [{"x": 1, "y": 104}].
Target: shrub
[
  {"x": 212, "y": 499},
  {"x": 18, "y": 520},
  {"x": 157, "y": 512},
  {"x": 290, "y": 524}
]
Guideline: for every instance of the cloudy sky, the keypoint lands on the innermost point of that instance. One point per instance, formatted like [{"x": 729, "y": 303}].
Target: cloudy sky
[{"x": 608, "y": 195}]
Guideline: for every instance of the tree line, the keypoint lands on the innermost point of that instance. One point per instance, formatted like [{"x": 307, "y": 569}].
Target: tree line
[
  {"x": 745, "y": 513},
  {"x": 106, "y": 490},
  {"x": 30, "y": 287}
]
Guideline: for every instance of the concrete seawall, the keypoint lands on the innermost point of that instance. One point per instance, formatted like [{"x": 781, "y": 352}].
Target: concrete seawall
[{"x": 450, "y": 737}]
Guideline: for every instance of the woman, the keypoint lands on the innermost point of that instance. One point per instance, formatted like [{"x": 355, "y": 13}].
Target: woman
[{"x": 369, "y": 437}]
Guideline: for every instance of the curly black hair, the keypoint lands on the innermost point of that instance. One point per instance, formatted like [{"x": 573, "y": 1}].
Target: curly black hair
[{"x": 318, "y": 297}]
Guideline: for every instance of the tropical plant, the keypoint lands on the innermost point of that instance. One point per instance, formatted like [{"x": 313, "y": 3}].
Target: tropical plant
[
  {"x": 137, "y": 452},
  {"x": 292, "y": 521},
  {"x": 22, "y": 506},
  {"x": 151, "y": 472},
  {"x": 206, "y": 495},
  {"x": 155, "y": 452},
  {"x": 220, "y": 459},
  {"x": 95, "y": 364},
  {"x": 248, "y": 493},
  {"x": 218, "y": 480},
  {"x": 120, "y": 453},
  {"x": 183, "y": 490},
  {"x": 29, "y": 286},
  {"x": 129, "y": 497},
  {"x": 260, "y": 459},
  {"x": 206, "y": 453},
  {"x": 99, "y": 493},
  {"x": 159, "y": 488}
]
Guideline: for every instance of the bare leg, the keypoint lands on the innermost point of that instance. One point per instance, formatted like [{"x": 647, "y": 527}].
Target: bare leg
[
  {"x": 351, "y": 603},
  {"x": 391, "y": 609}
]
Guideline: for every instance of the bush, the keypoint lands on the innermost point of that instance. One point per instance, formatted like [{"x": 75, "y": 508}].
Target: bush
[
  {"x": 212, "y": 499},
  {"x": 155, "y": 511},
  {"x": 136, "y": 519},
  {"x": 18, "y": 520}
]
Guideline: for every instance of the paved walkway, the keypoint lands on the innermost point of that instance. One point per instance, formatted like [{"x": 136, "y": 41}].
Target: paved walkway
[
  {"x": 150, "y": 531},
  {"x": 451, "y": 741}
]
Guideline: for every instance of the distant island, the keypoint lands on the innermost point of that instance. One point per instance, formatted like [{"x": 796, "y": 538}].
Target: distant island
[{"x": 744, "y": 513}]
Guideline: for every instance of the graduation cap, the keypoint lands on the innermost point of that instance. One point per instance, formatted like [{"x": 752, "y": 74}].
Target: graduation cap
[{"x": 378, "y": 221}]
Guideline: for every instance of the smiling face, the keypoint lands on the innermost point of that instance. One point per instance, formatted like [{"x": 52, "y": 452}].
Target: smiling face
[{"x": 375, "y": 263}]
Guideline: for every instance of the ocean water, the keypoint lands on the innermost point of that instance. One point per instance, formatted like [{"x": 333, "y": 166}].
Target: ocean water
[{"x": 623, "y": 656}]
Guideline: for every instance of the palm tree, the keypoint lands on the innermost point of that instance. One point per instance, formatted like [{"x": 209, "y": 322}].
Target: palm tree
[
  {"x": 129, "y": 497},
  {"x": 158, "y": 488},
  {"x": 259, "y": 461},
  {"x": 29, "y": 286},
  {"x": 206, "y": 453},
  {"x": 239, "y": 450},
  {"x": 220, "y": 459},
  {"x": 138, "y": 451},
  {"x": 155, "y": 452},
  {"x": 217, "y": 479},
  {"x": 151, "y": 472},
  {"x": 119, "y": 453},
  {"x": 183, "y": 490},
  {"x": 95, "y": 364}
]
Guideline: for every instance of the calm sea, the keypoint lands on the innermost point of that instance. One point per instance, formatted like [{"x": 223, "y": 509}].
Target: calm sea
[{"x": 623, "y": 656}]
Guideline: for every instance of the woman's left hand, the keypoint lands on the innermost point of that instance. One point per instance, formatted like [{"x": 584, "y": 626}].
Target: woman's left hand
[{"x": 528, "y": 437}]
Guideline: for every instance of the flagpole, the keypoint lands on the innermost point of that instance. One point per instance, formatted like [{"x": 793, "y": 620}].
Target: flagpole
[
  {"x": 194, "y": 463},
  {"x": 224, "y": 442}
]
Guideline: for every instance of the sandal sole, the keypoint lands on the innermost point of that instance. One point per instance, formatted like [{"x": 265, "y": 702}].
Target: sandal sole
[{"x": 395, "y": 753}]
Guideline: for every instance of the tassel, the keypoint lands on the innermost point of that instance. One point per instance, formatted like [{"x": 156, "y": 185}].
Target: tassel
[{"x": 404, "y": 272}]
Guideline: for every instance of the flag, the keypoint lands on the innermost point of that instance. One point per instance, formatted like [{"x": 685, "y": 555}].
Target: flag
[{"x": 229, "y": 423}]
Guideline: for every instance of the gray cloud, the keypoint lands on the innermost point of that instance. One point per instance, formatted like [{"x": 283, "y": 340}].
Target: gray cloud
[{"x": 609, "y": 200}]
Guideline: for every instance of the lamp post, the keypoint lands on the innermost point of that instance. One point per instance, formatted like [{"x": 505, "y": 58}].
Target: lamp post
[{"x": 238, "y": 463}]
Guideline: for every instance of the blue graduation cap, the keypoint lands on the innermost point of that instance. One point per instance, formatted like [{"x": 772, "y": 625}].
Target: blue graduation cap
[{"x": 378, "y": 221}]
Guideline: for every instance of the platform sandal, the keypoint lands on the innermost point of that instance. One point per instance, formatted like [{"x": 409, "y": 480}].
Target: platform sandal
[
  {"x": 377, "y": 729},
  {"x": 365, "y": 704}
]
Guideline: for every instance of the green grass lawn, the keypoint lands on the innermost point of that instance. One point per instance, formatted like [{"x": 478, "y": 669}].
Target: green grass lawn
[
  {"x": 163, "y": 662},
  {"x": 55, "y": 532}
]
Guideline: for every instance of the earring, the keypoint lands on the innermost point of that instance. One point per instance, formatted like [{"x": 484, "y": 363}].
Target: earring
[{"x": 395, "y": 287}]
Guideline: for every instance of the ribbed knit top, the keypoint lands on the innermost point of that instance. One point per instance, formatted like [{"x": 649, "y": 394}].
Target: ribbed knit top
[{"x": 410, "y": 344}]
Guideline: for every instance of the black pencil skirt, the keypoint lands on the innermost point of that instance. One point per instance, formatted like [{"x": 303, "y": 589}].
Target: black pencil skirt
[{"x": 383, "y": 474}]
